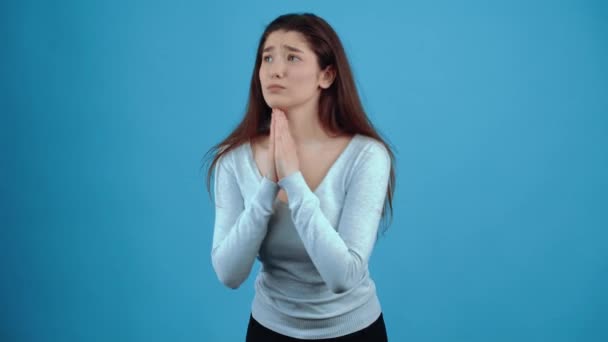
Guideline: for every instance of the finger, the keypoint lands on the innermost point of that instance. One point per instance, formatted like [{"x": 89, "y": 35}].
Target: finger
[
  {"x": 278, "y": 125},
  {"x": 277, "y": 133},
  {"x": 281, "y": 127},
  {"x": 271, "y": 140},
  {"x": 273, "y": 134},
  {"x": 278, "y": 146},
  {"x": 284, "y": 129}
]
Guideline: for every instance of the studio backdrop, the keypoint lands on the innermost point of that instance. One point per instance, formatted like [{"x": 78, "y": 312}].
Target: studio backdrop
[{"x": 497, "y": 112}]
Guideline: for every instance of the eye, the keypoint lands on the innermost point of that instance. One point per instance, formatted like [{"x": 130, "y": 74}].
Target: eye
[
  {"x": 265, "y": 58},
  {"x": 294, "y": 56}
]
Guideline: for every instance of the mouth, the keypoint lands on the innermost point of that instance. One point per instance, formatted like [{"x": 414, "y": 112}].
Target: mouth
[{"x": 275, "y": 87}]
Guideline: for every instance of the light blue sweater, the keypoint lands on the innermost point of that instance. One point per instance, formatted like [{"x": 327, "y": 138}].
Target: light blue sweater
[{"x": 314, "y": 281}]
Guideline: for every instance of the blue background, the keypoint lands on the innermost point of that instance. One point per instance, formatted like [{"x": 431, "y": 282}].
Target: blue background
[{"x": 497, "y": 111}]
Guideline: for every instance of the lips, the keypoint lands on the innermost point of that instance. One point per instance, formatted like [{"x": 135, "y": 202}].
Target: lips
[{"x": 275, "y": 87}]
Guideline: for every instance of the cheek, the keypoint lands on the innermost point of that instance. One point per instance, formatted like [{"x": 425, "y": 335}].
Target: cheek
[{"x": 304, "y": 79}]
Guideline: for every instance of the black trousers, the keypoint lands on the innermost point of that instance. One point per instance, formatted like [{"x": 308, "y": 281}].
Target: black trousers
[{"x": 376, "y": 332}]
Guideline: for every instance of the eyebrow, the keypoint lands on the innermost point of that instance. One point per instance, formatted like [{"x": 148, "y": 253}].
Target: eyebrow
[{"x": 290, "y": 48}]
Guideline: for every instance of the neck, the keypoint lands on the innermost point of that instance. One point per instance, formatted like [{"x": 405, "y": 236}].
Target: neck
[{"x": 304, "y": 124}]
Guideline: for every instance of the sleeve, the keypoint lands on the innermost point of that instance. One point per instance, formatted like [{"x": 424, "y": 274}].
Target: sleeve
[
  {"x": 239, "y": 228},
  {"x": 341, "y": 255}
]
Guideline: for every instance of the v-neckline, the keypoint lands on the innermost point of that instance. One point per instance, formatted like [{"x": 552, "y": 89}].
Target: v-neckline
[{"x": 256, "y": 170}]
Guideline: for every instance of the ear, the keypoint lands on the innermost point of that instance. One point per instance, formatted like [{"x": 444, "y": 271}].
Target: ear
[{"x": 327, "y": 77}]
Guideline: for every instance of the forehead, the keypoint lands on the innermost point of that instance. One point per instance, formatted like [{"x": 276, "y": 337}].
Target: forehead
[{"x": 286, "y": 40}]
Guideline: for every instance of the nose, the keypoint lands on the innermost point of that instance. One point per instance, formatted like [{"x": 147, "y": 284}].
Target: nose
[{"x": 277, "y": 68}]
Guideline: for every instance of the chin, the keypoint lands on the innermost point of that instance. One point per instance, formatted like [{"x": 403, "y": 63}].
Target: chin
[{"x": 277, "y": 103}]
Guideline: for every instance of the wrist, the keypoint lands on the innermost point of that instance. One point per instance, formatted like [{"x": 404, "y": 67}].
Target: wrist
[{"x": 271, "y": 177}]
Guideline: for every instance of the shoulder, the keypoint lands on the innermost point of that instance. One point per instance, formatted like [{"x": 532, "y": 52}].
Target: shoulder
[
  {"x": 232, "y": 156},
  {"x": 369, "y": 147},
  {"x": 372, "y": 160}
]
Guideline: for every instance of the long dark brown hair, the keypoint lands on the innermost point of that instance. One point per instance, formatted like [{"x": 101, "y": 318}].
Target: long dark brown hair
[{"x": 340, "y": 109}]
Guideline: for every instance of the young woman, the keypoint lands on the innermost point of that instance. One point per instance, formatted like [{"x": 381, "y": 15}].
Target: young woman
[{"x": 301, "y": 184}]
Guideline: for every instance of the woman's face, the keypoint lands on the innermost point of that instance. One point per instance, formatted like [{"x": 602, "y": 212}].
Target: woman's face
[{"x": 290, "y": 64}]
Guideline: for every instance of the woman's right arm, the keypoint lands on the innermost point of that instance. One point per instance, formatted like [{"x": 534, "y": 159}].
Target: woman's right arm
[{"x": 239, "y": 227}]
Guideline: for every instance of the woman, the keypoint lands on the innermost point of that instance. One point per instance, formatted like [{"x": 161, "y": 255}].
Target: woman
[{"x": 301, "y": 184}]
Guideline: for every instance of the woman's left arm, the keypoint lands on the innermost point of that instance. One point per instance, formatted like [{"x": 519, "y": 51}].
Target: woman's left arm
[{"x": 341, "y": 256}]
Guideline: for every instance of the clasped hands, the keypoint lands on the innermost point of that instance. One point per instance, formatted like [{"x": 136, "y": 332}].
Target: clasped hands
[{"x": 282, "y": 148}]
